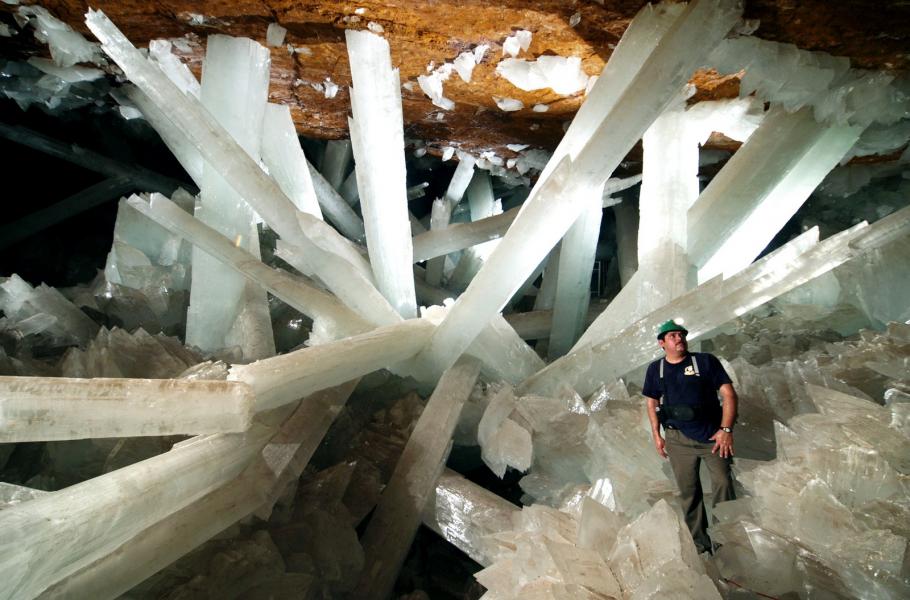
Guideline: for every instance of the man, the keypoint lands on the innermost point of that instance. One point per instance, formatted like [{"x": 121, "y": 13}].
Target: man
[{"x": 681, "y": 390}]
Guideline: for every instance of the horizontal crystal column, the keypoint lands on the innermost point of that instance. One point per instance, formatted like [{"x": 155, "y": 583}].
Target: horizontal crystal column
[
  {"x": 309, "y": 300},
  {"x": 283, "y": 379},
  {"x": 62, "y": 408},
  {"x": 458, "y": 236},
  {"x": 714, "y": 303},
  {"x": 468, "y": 516},
  {"x": 47, "y": 539},
  {"x": 157, "y": 546},
  {"x": 397, "y": 516}
]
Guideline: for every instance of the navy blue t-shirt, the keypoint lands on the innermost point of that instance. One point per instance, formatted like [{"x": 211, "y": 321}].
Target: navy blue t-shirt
[{"x": 685, "y": 387}]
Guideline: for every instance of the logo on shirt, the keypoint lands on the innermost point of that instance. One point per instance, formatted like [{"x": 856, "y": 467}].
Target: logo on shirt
[{"x": 689, "y": 370}]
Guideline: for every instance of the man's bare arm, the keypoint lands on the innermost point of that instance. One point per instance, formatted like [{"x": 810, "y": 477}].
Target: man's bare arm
[
  {"x": 653, "y": 403},
  {"x": 723, "y": 441}
]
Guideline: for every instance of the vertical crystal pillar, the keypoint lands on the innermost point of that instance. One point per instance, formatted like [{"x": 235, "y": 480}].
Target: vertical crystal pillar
[
  {"x": 378, "y": 139},
  {"x": 283, "y": 157},
  {"x": 235, "y": 81},
  {"x": 573, "y": 287}
]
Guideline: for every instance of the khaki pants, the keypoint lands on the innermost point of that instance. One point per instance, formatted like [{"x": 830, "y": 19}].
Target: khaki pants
[{"x": 685, "y": 458}]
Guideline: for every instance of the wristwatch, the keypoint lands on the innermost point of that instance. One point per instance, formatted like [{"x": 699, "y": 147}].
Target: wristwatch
[{"x": 727, "y": 429}]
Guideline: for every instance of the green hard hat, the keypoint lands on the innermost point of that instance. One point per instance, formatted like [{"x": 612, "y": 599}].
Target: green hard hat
[{"x": 669, "y": 326}]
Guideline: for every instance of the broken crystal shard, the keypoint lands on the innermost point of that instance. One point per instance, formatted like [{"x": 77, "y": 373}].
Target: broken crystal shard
[
  {"x": 520, "y": 40},
  {"x": 441, "y": 212},
  {"x": 112, "y": 508},
  {"x": 786, "y": 268},
  {"x": 468, "y": 516},
  {"x": 464, "y": 64},
  {"x": 508, "y": 104},
  {"x": 274, "y": 35},
  {"x": 309, "y": 300},
  {"x": 761, "y": 187},
  {"x": 381, "y": 182},
  {"x": 283, "y": 157},
  {"x": 155, "y": 547},
  {"x": 67, "y": 47},
  {"x": 502, "y": 441},
  {"x": 56, "y": 408},
  {"x": 573, "y": 284},
  {"x": 397, "y": 517},
  {"x": 557, "y": 200},
  {"x": 234, "y": 91},
  {"x": 562, "y": 74},
  {"x": 283, "y": 379},
  {"x": 173, "y": 67}
]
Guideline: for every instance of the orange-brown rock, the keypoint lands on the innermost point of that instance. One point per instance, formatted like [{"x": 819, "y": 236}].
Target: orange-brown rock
[{"x": 423, "y": 32}]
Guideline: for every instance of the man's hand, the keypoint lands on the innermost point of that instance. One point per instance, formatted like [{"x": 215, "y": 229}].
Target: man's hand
[
  {"x": 659, "y": 444},
  {"x": 723, "y": 443}
]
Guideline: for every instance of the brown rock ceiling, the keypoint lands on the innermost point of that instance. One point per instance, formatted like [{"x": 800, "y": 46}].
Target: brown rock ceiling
[{"x": 873, "y": 34}]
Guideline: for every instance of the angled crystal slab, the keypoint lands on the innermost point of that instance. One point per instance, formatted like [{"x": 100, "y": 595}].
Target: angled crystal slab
[
  {"x": 285, "y": 378},
  {"x": 573, "y": 285},
  {"x": 336, "y": 209},
  {"x": 467, "y": 515},
  {"x": 283, "y": 157},
  {"x": 335, "y": 162},
  {"x": 458, "y": 236},
  {"x": 62, "y": 408},
  {"x": 761, "y": 187},
  {"x": 788, "y": 267},
  {"x": 215, "y": 145},
  {"x": 157, "y": 546},
  {"x": 614, "y": 125},
  {"x": 397, "y": 516},
  {"x": 54, "y": 536},
  {"x": 377, "y": 135},
  {"x": 311, "y": 301}
]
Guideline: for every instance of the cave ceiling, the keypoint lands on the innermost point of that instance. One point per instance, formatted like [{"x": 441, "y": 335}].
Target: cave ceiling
[{"x": 873, "y": 34}]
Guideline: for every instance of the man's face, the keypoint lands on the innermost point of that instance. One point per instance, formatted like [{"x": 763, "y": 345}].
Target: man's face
[{"x": 675, "y": 342}]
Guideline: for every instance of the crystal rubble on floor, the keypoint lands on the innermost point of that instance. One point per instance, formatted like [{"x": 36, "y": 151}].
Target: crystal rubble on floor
[
  {"x": 651, "y": 557},
  {"x": 441, "y": 212},
  {"x": 156, "y": 546},
  {"x": 377, "y": 136},
  {"x": 834, "y": 464},
  {"x": 779, "y": 272},
  {"x": 244, "y": 174},
  {"x": 332, "y": 320},
  {"x": 622, "y": 108},
  {"x": 61, "y": 323},
  {"x": 774, "y": 173},
  {"x": 118, "y": 353},
  {"x": 503, "y": 442},
  {"x": 62, "y": 408},
  {"x": 225, "y": 309},
  {"x": 153, "y": 262},
  {"x": 394, "y": 523}
]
